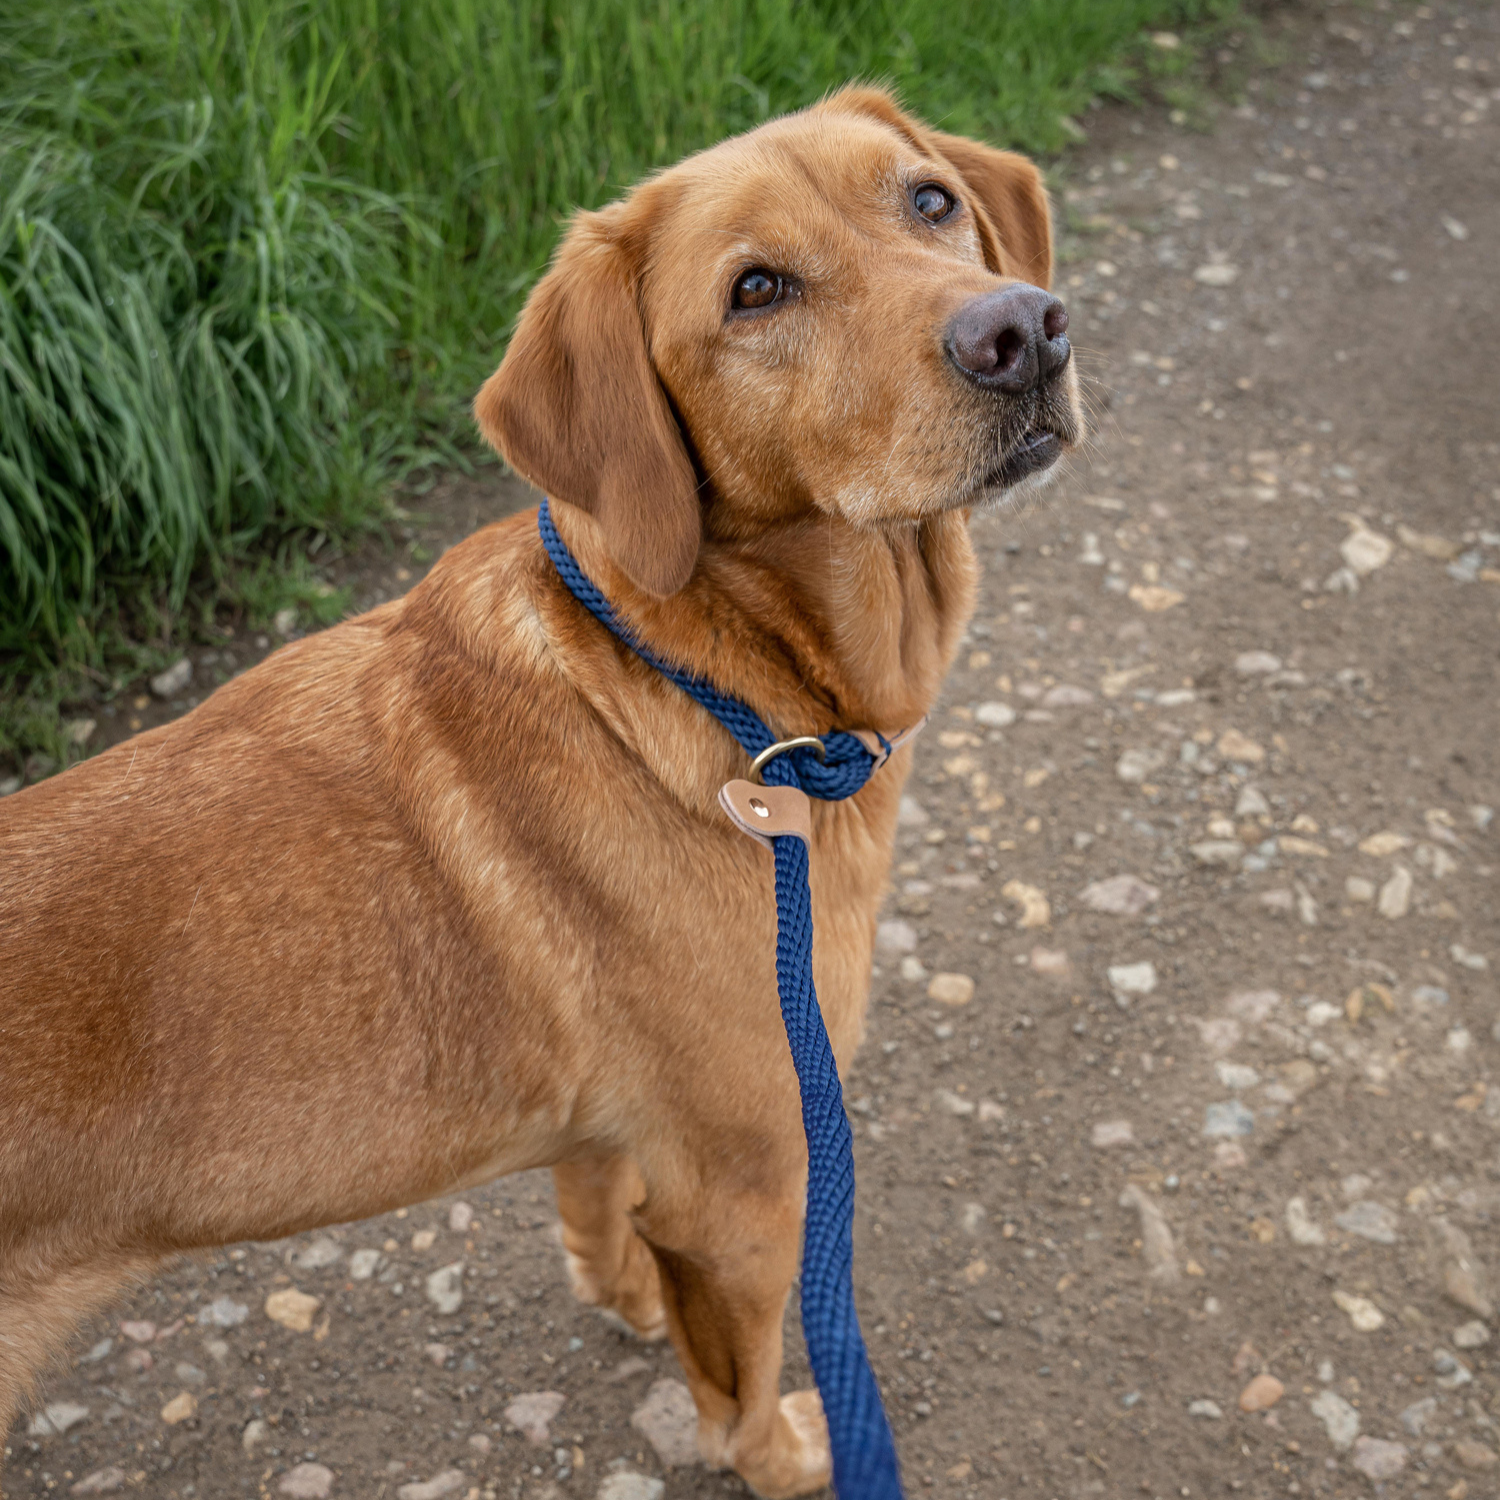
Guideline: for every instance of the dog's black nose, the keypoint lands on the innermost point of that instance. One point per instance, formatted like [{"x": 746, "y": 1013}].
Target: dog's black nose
[{"x": 1011, "y": 339}]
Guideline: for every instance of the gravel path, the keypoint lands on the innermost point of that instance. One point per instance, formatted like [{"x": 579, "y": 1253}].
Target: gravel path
[{"x": 1179, "y": 1120}]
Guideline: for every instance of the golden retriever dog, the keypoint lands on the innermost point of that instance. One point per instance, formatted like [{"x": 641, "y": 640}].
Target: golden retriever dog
[{"x": 446, "y": 892}]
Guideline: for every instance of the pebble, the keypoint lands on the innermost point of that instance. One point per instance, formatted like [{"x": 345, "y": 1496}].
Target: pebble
[
  {"x": 168, "y": 683},
  {"x": 1474, "y": 1455},
  {"x": 1066, "y": 696},
  {"x": 1251, "y": 804},
  {"x": 1120, "y": 896},
  {"x": 1371, "y": 1221},
  {"x": 437, "y": 1354},
  {"x": 1228, "y": 1119},
  {"x": 100, "y": 1482},
  {"x": 1236, "y": 746},
  {"x": 1132, "y": 979},
  {"x": 1300, "y": 1225},
  {"x": 1218, "y": 273},
  {"x": 139, "y": 1333},
  {"x": 953, "y": 1104},
  {"x": 1221, "y": 853},
  {"x": 1357, "y": 888},
  {"x": 1377, "y": 1459},
  {"x": 56, "y": 1419},
  {"x": 1256, "y": 663},
  {"x": 1236, "y": 1076},
  {"x": 1464, "y": 1278},
  {"x": 1415, "y": 1417},
  {"x": 449, "y": 1482},
  {"x": 532, "y": 1413},
  {"x": 292, "y": 1309},
  {"x": 1395, "y": 895},
  {"x": 254, "y": 1435},
  {"x": 1157, "y": 1247},
  {"x": 180, "y": 1408},
  {"x": 995, "y": 715},
  {"x": 423, "y": 1240},
  {"x": 950, "y": 989},
  {"x": 1134, "y": 766},
  {"x": 445, "y": 1288},
  {"x": 1339, "y": 1418},
  {"x": 1363, "y": 1313},
  {"x": 307, "y": 1482},
  {"x": 1108, "y": 1134},
  {"x": 1381, "y": 845},
  {"x": 669, "y": 1422},
  {"x": 1036, "y": 910},
  {"x": 223, "y": 1312},
  {"x": 1053, "y": 962},
  {"x": 461, "y": 1217},
  {"x": 627, "y": 1485},
  {"x": 1471, "y": 1336},
  {"x": 284, "y": 621},
  {"x": 318, "y": 1256},
  {"x": 1364, "y": 550},
  {"x": 1262, "y": 1393},
  {"x": 1209, "y": 1409},
  {"x": 362, "y": 1264},
  {"x": 1451, "y": 1371},
  {"x": 895, "y": 937}
]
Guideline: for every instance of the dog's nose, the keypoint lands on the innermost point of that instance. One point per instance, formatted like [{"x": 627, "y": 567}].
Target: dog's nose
[{"x": 1011, "y": 339}]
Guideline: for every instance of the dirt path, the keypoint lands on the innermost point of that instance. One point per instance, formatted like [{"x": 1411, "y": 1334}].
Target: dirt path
[{"x": 1211, "y": 1119}]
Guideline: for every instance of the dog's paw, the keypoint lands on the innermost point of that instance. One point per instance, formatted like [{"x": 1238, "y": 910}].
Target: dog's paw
[
  {"x": 798, "y": 1460},
  {"x": 631, "y": 1300}
]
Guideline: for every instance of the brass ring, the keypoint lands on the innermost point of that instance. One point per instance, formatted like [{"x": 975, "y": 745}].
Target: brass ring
[{"x": 802, "y": 742}]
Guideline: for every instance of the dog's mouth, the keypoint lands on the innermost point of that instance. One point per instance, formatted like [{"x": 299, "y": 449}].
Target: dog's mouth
[{"x": 1038, "y": 449}]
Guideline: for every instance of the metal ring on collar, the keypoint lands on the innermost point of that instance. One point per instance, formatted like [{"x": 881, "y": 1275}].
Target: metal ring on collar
[{"x": 802, "y": 742}]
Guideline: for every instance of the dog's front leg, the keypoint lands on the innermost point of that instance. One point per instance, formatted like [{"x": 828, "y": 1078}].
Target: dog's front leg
[{"x": 727, "y": 1263}]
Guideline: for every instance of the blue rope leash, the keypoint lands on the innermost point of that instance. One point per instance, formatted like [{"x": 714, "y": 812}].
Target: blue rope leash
[{"x": 864, "y": 1452}]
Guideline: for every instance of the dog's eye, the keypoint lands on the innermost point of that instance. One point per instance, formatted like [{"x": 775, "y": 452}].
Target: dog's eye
[
  {"x": 932, "y": 202},
  {"x": 758, "y": 288}
]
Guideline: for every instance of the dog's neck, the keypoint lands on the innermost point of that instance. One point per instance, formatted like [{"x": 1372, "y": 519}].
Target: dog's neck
[{"x": 815, "y": 625}]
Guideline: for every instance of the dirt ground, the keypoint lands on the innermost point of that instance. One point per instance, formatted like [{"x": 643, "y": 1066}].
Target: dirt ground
[{"x": 1204, "y": 815}]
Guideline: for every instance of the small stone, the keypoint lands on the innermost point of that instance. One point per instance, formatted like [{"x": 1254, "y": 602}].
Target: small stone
[
  {"x": 1036, "y": 910},
  {"x": 1395, "y": 895},
  {"x": 1065, "y": 696},
  {"x": 1363, "y": 1313},
  {"x": 480, "y": 1443},
  {"x": 460, "y": 1217},
  {"x": 1377, "y": 1459},
  {"x": 445, "y": 1288},
  {"x": 1300, "y": 1225},
  {"x": 627, "y": 1485},
  {"x": 1261, "y": 1394},
  {"x": 57, "y": 1418},
  {"x": 1120, "y": 895},
  {"x": 1236, "y": 1076},
  {"x": 307, "y": 1482},
  {"x": 188, "y": 1374},
  {"x": 1219, "y": 273},
  {"x": 950, "y": 989},
  {"x": 254, "y": 1435},
  {"x": 1108, "y": 1134},
  {"x": 1437, "y": 547},
  {"x": 1256, "y": 663},
  {"x": 1209, "y": 1409},
  {"x": 1134, "y": 766},
  {"x": 1157, "y": 1247},
  {"x": 423, "y": 1240},
  {"x": 1254, "y": 1006},
  {"x": 669, "y": 1421},
  {"x": 1224, "y": 853},
  {"x": 79, "y": 731},
  {"x": 895, "y": 937},
  {"x": 223, "y": 1312},
  {"x": 1251, "y": 804},
  {"x": 995, "y": 715},
  {"x": 362, "y": 1264},
  {"x": 100, "y": 1482},
  {"x": 1236, "y": 746},
  {"x": 1474, "y": 1455},
  {"x": 1415, "y": 1417},
  {"x": 953, "y": 1104},
  {"x": 1357, "y": 888},
  {"x": 911, "y": 969},
  {"x": 436, "y": 1354},
  {"x": 102, "y": 1350},
  {"x": 1371, "y": 1221},
  {"x": 1228, "y": 1119},
  {"x": 1464, "y": 1278},
  {"x": 173, "y": 680},
  {"x": 1132, "y": 979},
  {"x": 139, "y": 1333},
  {"x": 292, "y": 1309},
  {"x": 179, "y": 1409},
  {"x": 1339, "y": 1418},
  {"x": 1364, "y": 550},
  {"x": 449, "y": 1482},
  {"x": 1382, "y": 845},
  {"x": 1471, "y": 1336},
  {"x": 1451, "y": 1371},
  {"x": 532, "y": 1414},
  {"x": 1052, "y": 962},
  {"x": 1229, "y": 1156}
]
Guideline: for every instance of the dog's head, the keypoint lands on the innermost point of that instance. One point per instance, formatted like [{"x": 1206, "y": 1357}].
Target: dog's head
[{"x": 842, "y": 311}]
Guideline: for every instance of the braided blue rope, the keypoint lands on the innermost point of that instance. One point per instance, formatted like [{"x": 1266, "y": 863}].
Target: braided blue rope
[{"x": 864, "y": 1452}]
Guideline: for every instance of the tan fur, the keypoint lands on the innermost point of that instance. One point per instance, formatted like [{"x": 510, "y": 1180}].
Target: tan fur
[{"x": 445, "y": 892}]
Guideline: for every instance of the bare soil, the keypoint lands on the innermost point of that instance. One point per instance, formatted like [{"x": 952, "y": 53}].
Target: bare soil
[{"x": 1292, "y": 328}]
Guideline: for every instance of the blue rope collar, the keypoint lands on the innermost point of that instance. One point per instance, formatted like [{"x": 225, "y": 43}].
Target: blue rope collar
[{"x": 864, "y": 1452}]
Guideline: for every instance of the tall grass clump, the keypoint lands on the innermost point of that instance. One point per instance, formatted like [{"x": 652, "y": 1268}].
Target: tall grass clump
[{"x": 250, "y": 250}]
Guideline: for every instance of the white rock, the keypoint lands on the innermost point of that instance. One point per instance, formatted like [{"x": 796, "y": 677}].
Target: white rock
[
  {"x": 1218, "y": 274},
  {"x": 323, "y": 1252},
  {"x": 1300, "y": 1226},
  {"x": 1357, "y": 888},
  {"x": 1362, "y": 1313},
  {"x": 307, "y": 1482},
  {"x": 1256, "y": 663},
  {"x": 628, "y": 1485},
  {"x": 101, "y": 1482},
  {"x": 1364, "y": 550},
  {"x": 1222, "y": 853},
  {"x": 1369, "y": 1220},
  {"x": 254, "y": 1435},
  {"x": 1134, "y": 766},
  {"x": 1471, "y": 1336},
  {"x": 445, "y": 1288},
  {"x": 1378, "y": 1459},
  {"x": 223, "y": 1312},
  {"x": 1133, "y": 979},
  {"x": 1455, "y": 227},
  {"x": 1465, "y": 956},
  {"x": 439, "y": 1487},
  {"x": 1415, "y": 1417},
  {"x": 950, "y": 989},
  {"x": 173, "y": 680},
  {"x": 1209, "y": 1409},
  {"x": 534, "y": 1412},
  {"x": 995, "y": 715},
  {"x": 1251, "y": 804},
  {"x": 57, "y": 1418},
  {"x": 953, "y": 1104},
  {"x": 895, "y": 937},
  {"x": 1395, "y": 894},
  {"x": 1065, "y": 696},
  {"x": 1227, "y": 1120},
  {"x": 362, "y": 1264},
  {"x": 669, "y": 1421},
  {"x": 1120, "y": 895},
  {"x": 1236, "y": 1076},
  {"x": 1340, "y": 1419},
  {"x": 1108, "y": 1134},
  {"x": 1157, "y": 1247},
  {"x": 1460, "y": 1039}
]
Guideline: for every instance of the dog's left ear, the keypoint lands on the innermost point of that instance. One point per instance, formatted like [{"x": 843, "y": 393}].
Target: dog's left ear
[
  {"x": 1005, "y": 189},
  {"x": 577, "y": 408}
]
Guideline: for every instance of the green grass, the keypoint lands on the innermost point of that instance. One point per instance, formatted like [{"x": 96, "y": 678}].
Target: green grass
[{"x": 255, "y": 255}]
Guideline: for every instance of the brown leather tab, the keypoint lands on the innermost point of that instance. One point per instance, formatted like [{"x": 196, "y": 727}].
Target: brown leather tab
[
  {"x": 871, "y": 741},
  {"x": 766, "y": 812}
]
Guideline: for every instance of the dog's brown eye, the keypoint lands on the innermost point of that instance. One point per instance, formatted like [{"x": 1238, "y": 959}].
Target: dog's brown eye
[
  {"x": 757, "y": 288},
  {"x": 932, "y": 202}
]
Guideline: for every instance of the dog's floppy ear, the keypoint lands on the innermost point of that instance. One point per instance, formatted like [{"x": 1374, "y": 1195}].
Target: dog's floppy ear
[
  {"x": 577, "y": 409},
  {"x": 1005, "y": 189}
]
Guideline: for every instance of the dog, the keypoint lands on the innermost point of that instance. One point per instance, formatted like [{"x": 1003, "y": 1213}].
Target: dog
[{"x": 445, "y": 892}]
